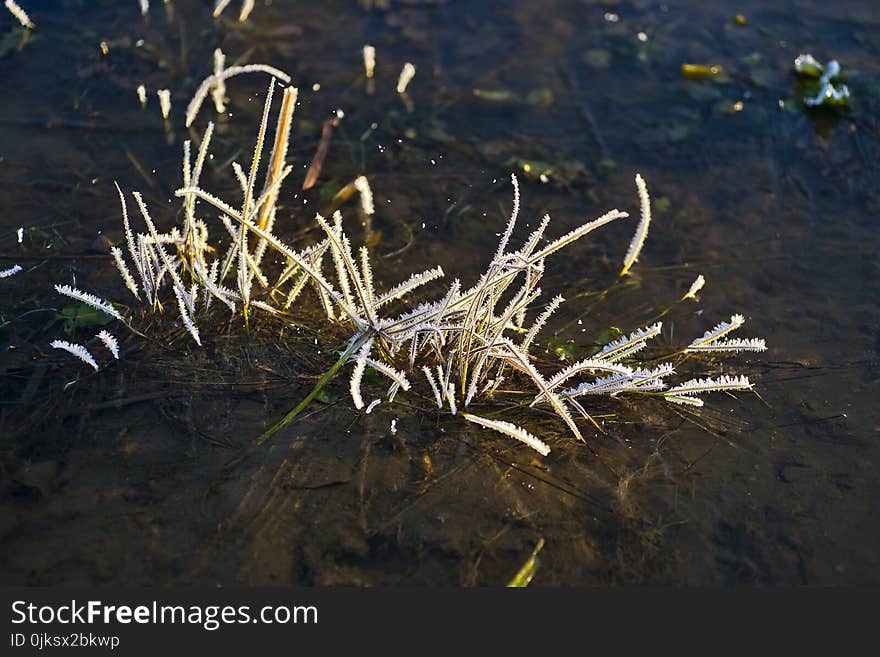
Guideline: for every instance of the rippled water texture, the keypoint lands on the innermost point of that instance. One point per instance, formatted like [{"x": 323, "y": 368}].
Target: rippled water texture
[{"x": 136, "y": 474}]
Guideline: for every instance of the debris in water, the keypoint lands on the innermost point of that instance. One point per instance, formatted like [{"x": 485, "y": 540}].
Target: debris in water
[
  {"x": 164, "y": 102},
  {"x": 406, "y": 76},
  {"x": 821, "y": 92},
  {"x": 369, "y": 61}
]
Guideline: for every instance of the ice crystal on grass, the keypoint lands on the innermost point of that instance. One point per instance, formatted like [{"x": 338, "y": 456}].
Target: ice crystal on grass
[
  {"x": 626, "y": 346},
  {"x": 123, "y": 271},
  {"x": 465, "y": 340},
  {"x": 695, "y": 287},
  {"x": 220, "y": 77},
  {"x": 20, "y": 14},
  {"x": 362, "y": 185},
  {"x": 77, "y": 350},
  {"x": 638, "y": 240},
  {"x": 247, "y": 6},
  {"x": 510, "y": 429},
  {"x": 437, "y": 396},
  {"x": 750, "y": 344},
  {"x": 89, "y": 299},
  {"x": 720, "y": 330},
  {"x": 110, "y": 342},
  {"x": 711, "y": 342},
  {"x": 681, "y": 393}
]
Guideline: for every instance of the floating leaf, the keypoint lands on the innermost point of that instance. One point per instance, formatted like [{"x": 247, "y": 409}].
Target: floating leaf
[
  {"x": 808, "y": 65},
  {"x": 830, "y": 96},
  {"x": 532, "y": 168},
  {"x": 821, "y": 92},
  {"x": 713, "y": 72}
]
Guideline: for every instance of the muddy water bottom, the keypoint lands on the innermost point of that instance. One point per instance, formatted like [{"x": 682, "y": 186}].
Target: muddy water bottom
[{"x": 142, "y": 473}]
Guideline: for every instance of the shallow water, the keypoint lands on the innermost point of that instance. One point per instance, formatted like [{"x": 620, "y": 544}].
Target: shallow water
[{"x": 136, "y": 474}]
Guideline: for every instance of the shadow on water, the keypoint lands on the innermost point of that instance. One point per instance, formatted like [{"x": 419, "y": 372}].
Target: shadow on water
[{"x": 141, "y": 473}]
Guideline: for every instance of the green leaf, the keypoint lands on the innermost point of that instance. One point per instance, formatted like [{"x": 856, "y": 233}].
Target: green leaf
[
  {"x": 608, "y": 336},
  {"x": 563, "y": 348},
  {"x": 525, "y": 574},
  {"x": 80, "y": 315}
]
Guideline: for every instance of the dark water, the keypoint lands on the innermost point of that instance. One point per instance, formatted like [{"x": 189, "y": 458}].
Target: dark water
[{"x": 137, "y": 474}]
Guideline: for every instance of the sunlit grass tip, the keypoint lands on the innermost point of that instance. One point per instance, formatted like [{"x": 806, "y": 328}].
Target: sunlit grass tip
[
  {"x": 110, "y": 342},
  {"x": 89, "y": 299},
  {"x": 20, "y": 14},
  {"x": 512, "y": 430},
  {"x": 12, "y": 271},
  {"x": 638, "y": 240},
  {"x": 77, "y": 350}
]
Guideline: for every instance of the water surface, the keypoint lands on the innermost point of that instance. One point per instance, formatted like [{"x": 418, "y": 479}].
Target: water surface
[{"x": 136, "y": 474}]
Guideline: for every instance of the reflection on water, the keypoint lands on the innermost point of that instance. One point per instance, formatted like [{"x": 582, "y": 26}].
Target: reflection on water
[{"x": 135, "y": 474}]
